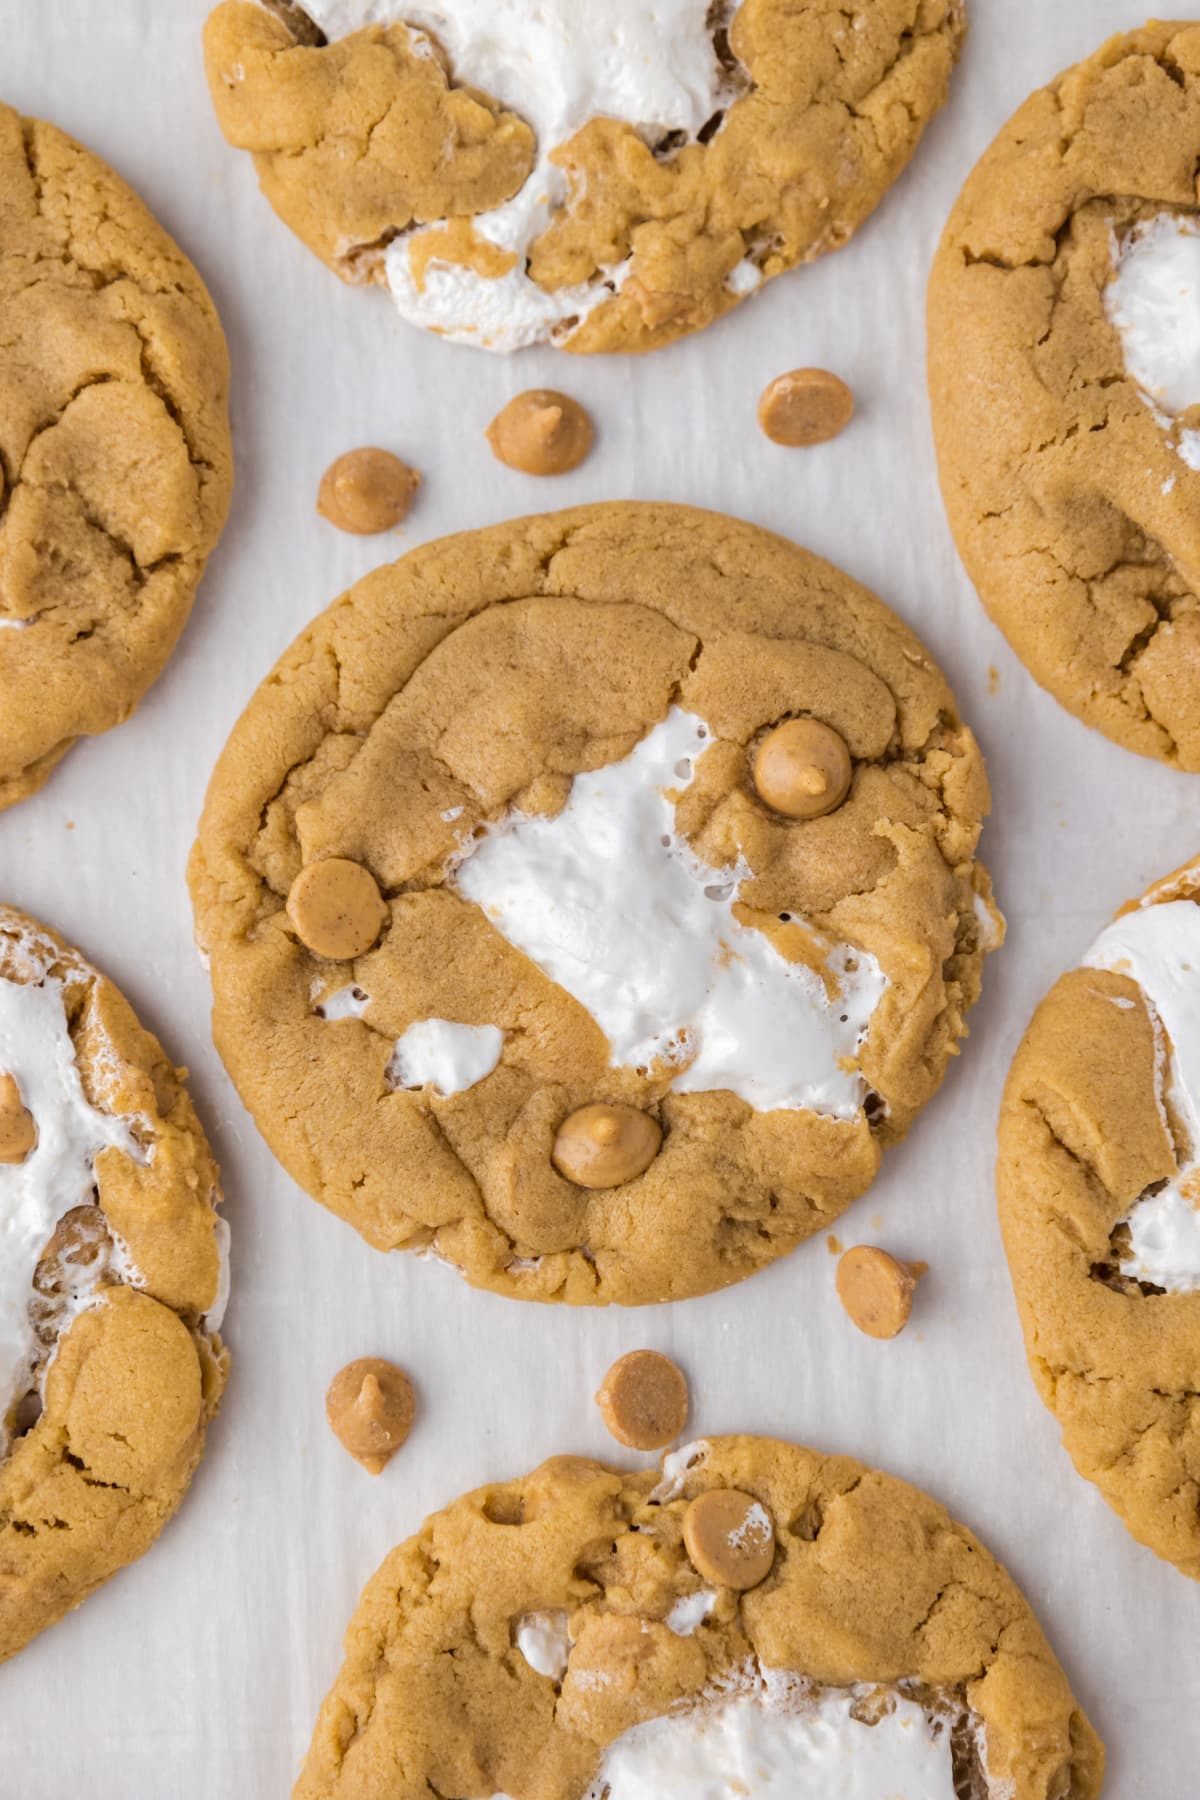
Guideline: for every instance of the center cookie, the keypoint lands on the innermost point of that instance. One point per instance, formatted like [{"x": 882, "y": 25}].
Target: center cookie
[
  {"x": 590, "y": 900},
  {"x": 760, "y": 1623}
]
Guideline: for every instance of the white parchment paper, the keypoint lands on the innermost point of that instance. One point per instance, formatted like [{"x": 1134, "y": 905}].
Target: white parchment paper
[{"x": 196, "y": 1674}]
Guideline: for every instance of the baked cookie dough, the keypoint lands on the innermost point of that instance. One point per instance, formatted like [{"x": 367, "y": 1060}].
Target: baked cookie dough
[
  {"x": 552, "y": 1637},
  {"x": 115, "y": 458},
  {"x": 1064, "y": 364},
  {"x": 619, "y": 1031},
  {"x": 112, "y": 1282},
  {"x": 599, "y": 177},
  {"x": 1099, "y": 1182}
]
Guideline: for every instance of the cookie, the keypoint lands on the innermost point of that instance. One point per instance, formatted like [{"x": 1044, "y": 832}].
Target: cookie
[
  {"x": 602, "y": 178},
  {"x": 1099, "y": 1183},
  {"x": 620, "y": 1030},
  {"x": 112, "y": 1282},
  {"x": 115, "y": 458},
  {"x": 1063, "y": 370},
  {"x": 552, "y": 1636}
]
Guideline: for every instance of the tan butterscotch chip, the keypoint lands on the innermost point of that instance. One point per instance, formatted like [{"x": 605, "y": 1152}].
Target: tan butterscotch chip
[
  {"x": 803, "y": 769},
  {"x": 601, "y": 1145},
  {"x": 643, "y": 1400},
  {"x": 805, "y": 407},
  {"x": 729, "y": 1538},
  {"x": 336, "y": 908},
  {"x": 18, "y": 1133},
  {"x": 366, "y": 491},
  {"x": 877, "y": 1290},
  {"x": 370, "y": 1409},
  {"x": 541, "y": 432}
]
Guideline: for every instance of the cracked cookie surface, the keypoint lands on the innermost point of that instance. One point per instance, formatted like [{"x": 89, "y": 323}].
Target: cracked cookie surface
[
  {"x": 1073, "y": 509},
  {"x": 1098, "y": 1144},
  {"x": 393, "y": 170},
  {"x": 535, "y": 1632},
  {"x": 111, "y": 1365},
  {"x": 115, "y": 457},
  {"x": 468, "y": 685}
]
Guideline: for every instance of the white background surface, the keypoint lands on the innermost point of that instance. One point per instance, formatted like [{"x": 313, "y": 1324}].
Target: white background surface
[{"x": 198, "y": 1672}]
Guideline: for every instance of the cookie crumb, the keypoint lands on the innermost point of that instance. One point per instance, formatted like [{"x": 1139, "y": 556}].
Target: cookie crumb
[
  {"x": 993, "y": 679},
  {"x": 366, "y": 491},
  {"x": 729, "y": 1538},
  {"x": 18, "y": 1133},
  {"x": 601, "y": 1146},
  {"x": 643, "y": 1400},
  {"x": 370, "y": 1409},
  {"x": 336, "y": 908},
  {"x": 805, "y": 407},
  {"x": 834, "y": 1245},
  {"x": 803, "y": 769},
  {"x": 877, "y": 1290},
  {"x": 541, "y": 432}
]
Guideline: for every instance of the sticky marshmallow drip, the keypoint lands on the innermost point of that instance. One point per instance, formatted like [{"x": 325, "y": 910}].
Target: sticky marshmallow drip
[{"x": 449, "y": 1058}]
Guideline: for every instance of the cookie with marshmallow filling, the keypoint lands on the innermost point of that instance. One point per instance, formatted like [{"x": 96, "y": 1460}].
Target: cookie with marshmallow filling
[
  {"x": 592, "y": 899},
  {"x": 585, "y": 1633},
  {"x": 112, "y": 1282},
  {"x": 604, "y": 177},
  {"x": 1064, "y": 369},
  {"x": 1099, "y": 1181}
]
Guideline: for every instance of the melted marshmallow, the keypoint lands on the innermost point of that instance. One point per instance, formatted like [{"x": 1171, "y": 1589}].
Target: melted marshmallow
[
  {"x": 349, "y": 1002},
  {"x": 544, "y": 1642},
  {"x": 687, "y": 1615},
  {"x": 1159, "y": 948},
  {"x": 558, "y": 64},
  {"x": 58, "y": 1174},
  {"x": 447, "y": 1057},
  {"x": 609, "y": 902},
  {"x": 1154, "y": 302}
]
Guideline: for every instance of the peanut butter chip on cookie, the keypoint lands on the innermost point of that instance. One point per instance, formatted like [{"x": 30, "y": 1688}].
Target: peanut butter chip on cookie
[
  {"x": 370, "y": 1410},
  {"x": 643, "y": 1400},
  {"x": 600, "y": 1146},
  {"x": 803, "y": 769},
  {"x": 366, "y": 491},
  {"x": 541, "y": 432},
  {"x": 805, "y": 407},
  {"x": 18, "y": 1133},
  {"x": 876, "y": 1290},
  {"x": 336, "y": 908},
  {"x": 729, "y": 1538}
]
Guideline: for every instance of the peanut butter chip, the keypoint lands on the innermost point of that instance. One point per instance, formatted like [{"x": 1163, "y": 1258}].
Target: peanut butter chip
[
  {"x": 366, "y": 491},
  {"x": 643, "y": 1400},
  {"x": 729, "y": 1538},
  {"x": 541, "y": 432},
  {"x": 336, "y": 908},
  {"x": 18, "y": 1133},
  {"x": 803, "y": 769},
  {"x": 370, "y": 1410},
  {"x": 876, "y": 1290},
  {"x": 600, "y": 1146},
  {"x": 805, "y": 407}
]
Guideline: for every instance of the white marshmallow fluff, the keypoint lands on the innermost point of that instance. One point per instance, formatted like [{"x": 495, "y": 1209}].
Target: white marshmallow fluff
[
  {"x": 1154, "y": 302},
  {"x": 447, "y": 1057},
  {"x": 544, "y": 1642},
  {"x": 59, "y": 1173},
  {"x": 1159, "y": 948},
  {"x": 614, "y": 906},
  {"x": 557, "y": 64}
]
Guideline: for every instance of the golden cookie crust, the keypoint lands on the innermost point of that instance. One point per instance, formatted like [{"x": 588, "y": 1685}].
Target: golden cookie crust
[
  {"x": 1074, "y": 515},
  {"x": 1082, "y": 1136},
  {"x": 872, "y": 1584},
  {"x": 485, "y": 670},
  {"x": 129, "y": 1388},
  {"x": 358, "y": 140},
  {"x": 115, "y": 457}
]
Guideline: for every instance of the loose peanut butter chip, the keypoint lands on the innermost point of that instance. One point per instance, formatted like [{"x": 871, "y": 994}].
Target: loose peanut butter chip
[
  {"x": 541, "y": 432},
  {"x": 366, "y": 491},
  {"x": 600, "y": 1146},
  {"x": 336, "y": 908},
  {"x": 643, "y": 1400},
  {"x": 805, "y": 407},
  {"x": 876, "y": 1290},
  {"x": 370, "y": 1410},
  {"x": 18, "y": 1133},
  {"x": 803, "y": 769},
  {"x": 729, "y": 1538}
]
